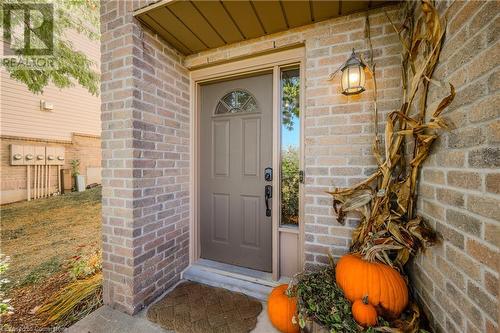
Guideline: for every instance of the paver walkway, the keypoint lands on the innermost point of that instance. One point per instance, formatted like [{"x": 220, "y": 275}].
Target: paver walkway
[{"x": 108, "y": 320}]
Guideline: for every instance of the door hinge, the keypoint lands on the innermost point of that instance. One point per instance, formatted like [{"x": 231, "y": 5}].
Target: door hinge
[{"x": 301, "y": 176}]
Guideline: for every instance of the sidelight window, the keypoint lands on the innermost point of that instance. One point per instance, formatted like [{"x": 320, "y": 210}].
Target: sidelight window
[{"x": 290, "y": 146}]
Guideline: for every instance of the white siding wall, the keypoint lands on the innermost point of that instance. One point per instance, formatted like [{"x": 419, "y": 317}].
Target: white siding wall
[{"x": 75, "y": 109}]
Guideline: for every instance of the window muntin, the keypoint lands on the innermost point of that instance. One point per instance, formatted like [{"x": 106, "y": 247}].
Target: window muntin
[{"x": 236, "y": 101}]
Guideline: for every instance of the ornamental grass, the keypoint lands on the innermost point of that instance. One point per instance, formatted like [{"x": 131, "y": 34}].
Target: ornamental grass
[{"x": 80, "y": 297}]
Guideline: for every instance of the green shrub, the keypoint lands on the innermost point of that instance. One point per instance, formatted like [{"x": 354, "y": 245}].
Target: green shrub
[
  {"x": 290, "y": 185},
  {"x": 75, "y": 168}
]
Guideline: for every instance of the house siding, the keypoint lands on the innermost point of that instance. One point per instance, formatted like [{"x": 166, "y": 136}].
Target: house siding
[
  {"x": 21, "y": 115},
  {"x": 145, "y": 134}
]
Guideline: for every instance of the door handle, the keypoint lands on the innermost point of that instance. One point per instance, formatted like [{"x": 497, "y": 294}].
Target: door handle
[{"x": 268, "y": 194}]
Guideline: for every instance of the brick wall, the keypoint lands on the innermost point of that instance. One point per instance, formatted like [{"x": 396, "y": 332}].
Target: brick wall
[
  {"x": 86, "y": 148},
  {"x": 338, "y": 129},
  {"x": 145, "y": 133},
  {"x": 458, "y": 280}
]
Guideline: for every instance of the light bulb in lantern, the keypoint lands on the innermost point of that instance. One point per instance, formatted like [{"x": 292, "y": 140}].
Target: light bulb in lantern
[
  {"x": 353, "y": 76},
  {"x": 353, "y": 79}
]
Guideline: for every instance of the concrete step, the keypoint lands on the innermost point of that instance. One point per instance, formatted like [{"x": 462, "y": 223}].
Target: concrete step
[{"x": 249, "y": 282}]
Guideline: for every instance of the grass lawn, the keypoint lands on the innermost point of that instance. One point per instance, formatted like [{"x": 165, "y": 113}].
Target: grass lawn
[{"x": 39, "y": 237}]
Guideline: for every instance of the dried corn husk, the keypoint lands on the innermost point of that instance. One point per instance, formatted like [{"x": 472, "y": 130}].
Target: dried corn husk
[{"x": 389, "y": 230}]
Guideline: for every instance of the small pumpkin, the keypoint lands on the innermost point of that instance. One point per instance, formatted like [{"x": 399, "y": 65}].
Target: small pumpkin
[
  {"x": 281, "y": 308},
  {"x": 385, "y": 288},
  {"x": 364, "y": 313}
]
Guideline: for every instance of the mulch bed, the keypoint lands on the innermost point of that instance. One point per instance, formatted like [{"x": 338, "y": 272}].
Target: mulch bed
[
  {"x": 197, "y": 308},
  {"x": 26, "y": 300}
]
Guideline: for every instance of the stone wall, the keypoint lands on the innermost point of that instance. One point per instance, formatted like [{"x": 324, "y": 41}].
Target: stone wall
[
  {"x": 338, "y": 129},
  {"x": 86, "y": 148},
  {"x": 145, "y": 133},
  {"x": 458, "y": 280}
]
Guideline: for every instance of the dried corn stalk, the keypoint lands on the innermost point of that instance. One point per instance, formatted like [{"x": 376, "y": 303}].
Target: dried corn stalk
[{"x": 389, "y": 230}]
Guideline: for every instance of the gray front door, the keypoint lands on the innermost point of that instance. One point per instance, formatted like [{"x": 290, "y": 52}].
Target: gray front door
[{"x": 235, "y": 149}]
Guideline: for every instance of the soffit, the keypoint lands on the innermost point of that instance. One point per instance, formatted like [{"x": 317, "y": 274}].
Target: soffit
[{"x": 193, "y": 26}]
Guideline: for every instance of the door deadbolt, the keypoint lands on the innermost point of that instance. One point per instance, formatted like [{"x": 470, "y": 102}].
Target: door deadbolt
[{"x": 268, "y": 174}]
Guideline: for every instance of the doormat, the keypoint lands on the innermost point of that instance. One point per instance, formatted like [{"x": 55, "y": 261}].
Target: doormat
[{"x": 198, "y": 308}]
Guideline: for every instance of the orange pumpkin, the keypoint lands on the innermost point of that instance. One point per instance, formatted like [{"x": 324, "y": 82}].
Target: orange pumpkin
[
  {"x": 385, "y": 288},
  {"x": 364, "y": 313},
  {"x": 281, "y": 310}
]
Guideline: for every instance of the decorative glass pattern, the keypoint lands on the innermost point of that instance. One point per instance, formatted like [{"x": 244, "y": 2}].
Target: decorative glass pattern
[{"x": 236, "y": 101}]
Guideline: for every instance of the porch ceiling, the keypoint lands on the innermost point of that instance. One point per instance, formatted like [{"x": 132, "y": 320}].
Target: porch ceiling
[{"x": 194, "y": 26}]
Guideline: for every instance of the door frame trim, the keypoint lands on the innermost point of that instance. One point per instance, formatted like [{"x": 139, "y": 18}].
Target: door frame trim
[{"x": 237, "y": 69}]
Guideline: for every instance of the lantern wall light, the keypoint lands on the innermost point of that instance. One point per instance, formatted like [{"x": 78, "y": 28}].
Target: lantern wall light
[{"x": 353, "y": 75}]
